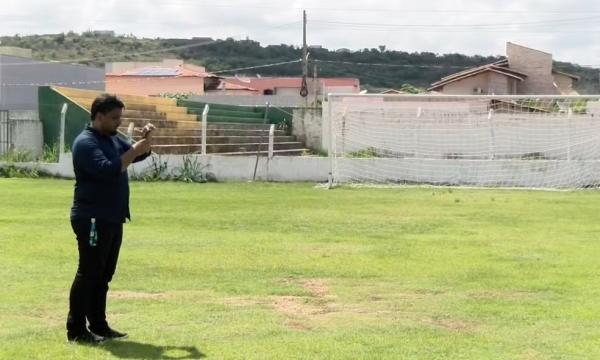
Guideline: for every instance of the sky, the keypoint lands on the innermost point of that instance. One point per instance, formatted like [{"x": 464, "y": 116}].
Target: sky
[{"x": 570, "y": 30}]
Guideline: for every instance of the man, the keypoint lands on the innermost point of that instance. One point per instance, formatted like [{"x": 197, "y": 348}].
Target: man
[{"x": 100, "y": 207}]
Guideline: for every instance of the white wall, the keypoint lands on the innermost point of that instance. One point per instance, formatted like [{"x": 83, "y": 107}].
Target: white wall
[
  {"x": 462, "y": 129},
  {"x": 224, "y": 168},
  {"x": 514, "y": 173},
  {"x": 26, "y": 131},
  {"x": 307, "y": 127},
  {"x": 497, "y": 173}
]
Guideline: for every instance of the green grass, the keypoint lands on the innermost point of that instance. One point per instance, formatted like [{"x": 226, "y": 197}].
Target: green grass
[{"x": 280, "y": 271}]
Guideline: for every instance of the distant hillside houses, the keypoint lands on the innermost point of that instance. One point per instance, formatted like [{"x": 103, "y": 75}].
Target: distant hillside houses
[{"x": 524, "y": 71}]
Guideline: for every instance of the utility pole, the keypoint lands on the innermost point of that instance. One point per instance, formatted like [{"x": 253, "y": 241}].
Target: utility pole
[
  {"x": 315, "y": 85},
  {"x": 304, "y": 89}
]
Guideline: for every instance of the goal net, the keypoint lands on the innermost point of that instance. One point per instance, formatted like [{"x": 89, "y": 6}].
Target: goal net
[{"x": 500, "y": 141}]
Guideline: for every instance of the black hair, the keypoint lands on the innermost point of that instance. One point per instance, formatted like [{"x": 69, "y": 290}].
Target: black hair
[{"x": 105, "y": 103}]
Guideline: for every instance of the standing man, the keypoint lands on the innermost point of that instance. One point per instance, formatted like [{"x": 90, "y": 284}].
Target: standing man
[{"x": 100, "y": 207}]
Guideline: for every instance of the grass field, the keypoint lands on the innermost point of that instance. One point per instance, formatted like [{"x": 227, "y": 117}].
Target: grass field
[{"x": 259, "y": 271}]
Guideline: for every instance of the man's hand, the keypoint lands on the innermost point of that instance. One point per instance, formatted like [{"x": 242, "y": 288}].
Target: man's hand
[
  {"x": 147, "y": 131},
  {"x": 141, "y": 147}
]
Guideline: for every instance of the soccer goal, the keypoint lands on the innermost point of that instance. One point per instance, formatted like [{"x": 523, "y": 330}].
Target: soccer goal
[{"x": 499, "y": 141}]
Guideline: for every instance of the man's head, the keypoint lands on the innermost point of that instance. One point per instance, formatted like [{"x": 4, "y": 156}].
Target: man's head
[{"x": 106, "y": 114}]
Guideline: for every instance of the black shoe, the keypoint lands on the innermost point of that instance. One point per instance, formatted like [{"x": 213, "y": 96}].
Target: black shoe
[
  {"x": 86, "y": 338},
  {"x": 109, "y": 333}
]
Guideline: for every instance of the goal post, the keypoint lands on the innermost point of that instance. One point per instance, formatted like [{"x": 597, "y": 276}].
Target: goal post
[{"x": 542, "y": 141}]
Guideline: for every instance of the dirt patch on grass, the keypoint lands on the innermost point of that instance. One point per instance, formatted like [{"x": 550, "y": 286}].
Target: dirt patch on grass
[
  {"x": 136, "y": 295},
  {"x": 238, "y": 301},
  {"x": 531, "y": 354},
  {"x": 451, "y": 324},
  {"x": 502, "y": 295},
  {"x": 297, "y": 325},
  {"x": 301, "y": 310},
  {"x": 296, "y": 306},
  {"x": 316, "y": 287}
]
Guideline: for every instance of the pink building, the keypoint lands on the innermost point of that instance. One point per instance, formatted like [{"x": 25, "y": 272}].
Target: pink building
[
  {"x": 292, "y": 85},
  {"x": 154, "y": 78}
]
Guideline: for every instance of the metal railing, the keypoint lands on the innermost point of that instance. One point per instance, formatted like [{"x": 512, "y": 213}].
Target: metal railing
[{"x": 5, "y": 132}]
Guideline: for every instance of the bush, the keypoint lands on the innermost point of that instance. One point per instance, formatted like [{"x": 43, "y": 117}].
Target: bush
[
  {"x": 12, "y": 171},
  {"x": 191, "y": 171},
  {"x": 16, "y": 156}
]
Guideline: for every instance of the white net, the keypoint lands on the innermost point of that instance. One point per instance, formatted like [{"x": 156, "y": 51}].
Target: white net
[{"x": 504, "y": 141}]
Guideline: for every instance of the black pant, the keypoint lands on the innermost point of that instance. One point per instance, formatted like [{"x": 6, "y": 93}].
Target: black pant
[{"x": 97, "y": 265}]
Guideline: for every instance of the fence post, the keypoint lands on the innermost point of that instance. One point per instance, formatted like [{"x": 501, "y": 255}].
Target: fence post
[
  {"x": 331, "y": 149},
  {"x": 569, "y": 115},
  {"x": 61, "y": 141},
  {"x": 5, "y": 130},
  {"x": 492, "y": 136},
  {"x": 204, "y": 127},
  {"x": 271, "y": 140},
  {"x": 344, "y": 130},
  {"x": 416, "y": 131},
  {"x": 130, "y": 129}
]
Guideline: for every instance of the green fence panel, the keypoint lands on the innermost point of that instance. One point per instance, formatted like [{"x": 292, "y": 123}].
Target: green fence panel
[{"x": 50, "y": 105}]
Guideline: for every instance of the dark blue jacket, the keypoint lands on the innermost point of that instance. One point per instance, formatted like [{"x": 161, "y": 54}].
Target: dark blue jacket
[{"x": 101, "y": 188}]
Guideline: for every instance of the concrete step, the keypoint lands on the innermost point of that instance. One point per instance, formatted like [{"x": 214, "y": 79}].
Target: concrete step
[
  {"x": 191, "y": 140},
  {"x": 181, "y": 117},
  {"x": 87, "y": 104},
  {"x": 168, "y": 109},
  {"x": 222, "y": 148},
  {"x": 234, "y": 119},
  {"x": 210, "y": 132},
  {"x": 200, "y": 105},
  {"x": 231, "y": 113},
  {"x": 238, "y": 126},
  {"x": 287, "y": 152},
  {"x": 195, "y": 124},
  {"x": 134, "y": 99},
  {"x": 136, "y": 114},
  {"x": 160, "y": 123}
]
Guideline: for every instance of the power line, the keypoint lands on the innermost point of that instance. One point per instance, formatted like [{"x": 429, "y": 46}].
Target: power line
[
  {"x": 545, "y": 22},
  {"x": 465, "y": 30},
  {"x": 388, "y": 10},
  {"x": 258, "y": 66},
  {"x": 396, "y": 65}
]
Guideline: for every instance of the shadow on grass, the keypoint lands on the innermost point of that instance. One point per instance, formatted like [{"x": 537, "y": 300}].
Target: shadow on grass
[{"x": 134, "y": 350}]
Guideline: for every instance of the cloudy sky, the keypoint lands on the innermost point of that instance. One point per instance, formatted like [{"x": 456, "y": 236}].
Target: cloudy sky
[{"x": 570, "y": 30}]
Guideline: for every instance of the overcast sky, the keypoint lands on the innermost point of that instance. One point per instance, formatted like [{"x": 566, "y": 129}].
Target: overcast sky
[{"x": 570, "y": 30}]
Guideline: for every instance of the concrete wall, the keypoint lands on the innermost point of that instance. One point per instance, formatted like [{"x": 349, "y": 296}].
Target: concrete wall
[
  {"x": 564, "y": 84},
  {"x": 499, "y": 173},
  {"x": 119, "y": 67},
  {"x": 255, "y": 100},
  {"x": 148, "y": 85},
  {"x": 446, "y": 129},
  {"x": 19, "y": 76},
  {"x": 224, "y": 168},
  {"x": 26, "y": 130},
  {"x": 231, "y": 92},
  {"x": 499, "y": 84},
  {"x": 538, "y": 67},
  {"x": 307, "y": 126},
  {"x": 473, "y": 136},
  {"x": 513, "y": 173},
  {"x": 466, "y": 86}
]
